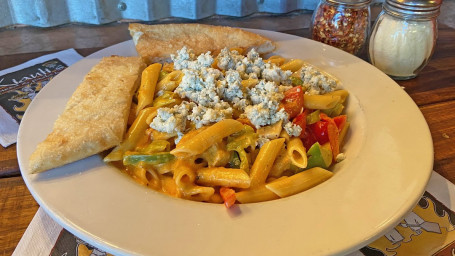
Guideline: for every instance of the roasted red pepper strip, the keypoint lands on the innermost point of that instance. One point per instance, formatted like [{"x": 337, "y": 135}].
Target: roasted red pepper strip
[
  {"x": 228, "y": 196},
  {"x": 334, "y": 138},
  {"x": 293, "y": 101},
  {"x": 333, "y": 133},
  {"x": 340, "y": 121}
]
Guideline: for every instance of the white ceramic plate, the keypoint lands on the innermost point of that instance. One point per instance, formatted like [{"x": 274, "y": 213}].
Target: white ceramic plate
[{"x": 389, "y": 161}]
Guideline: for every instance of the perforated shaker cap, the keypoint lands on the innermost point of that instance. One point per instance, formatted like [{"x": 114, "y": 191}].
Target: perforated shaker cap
[
  {"x": 418, "y": 9},
  {"x": 353, "y": 3}
]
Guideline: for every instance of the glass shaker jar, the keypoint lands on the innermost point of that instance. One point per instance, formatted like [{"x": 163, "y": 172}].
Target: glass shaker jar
[
  {"x": 403, "y": 37},
  {"x": 344, "y": 24}
]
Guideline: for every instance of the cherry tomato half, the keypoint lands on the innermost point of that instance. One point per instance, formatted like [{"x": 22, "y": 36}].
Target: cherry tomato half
[
  {"x": 319, "y": 130},
  {"x": 293, "y": 101},
  {"x": 300, "y": 120}
]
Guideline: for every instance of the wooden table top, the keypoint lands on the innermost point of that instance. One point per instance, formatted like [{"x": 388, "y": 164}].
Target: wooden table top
[{"x": 433, "y": 91}]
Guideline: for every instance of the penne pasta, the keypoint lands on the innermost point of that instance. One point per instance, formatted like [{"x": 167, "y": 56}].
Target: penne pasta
[
  {"x": 215, "y": 198},
  {"x": 170, "y": 81},
  {"x": 323, "y": 101},
  {"x": 276, "y": 59},
  {"x": 168, "y": 67},
  {"x": 165, "y": 168},
  {"x": 203, "y": 140},
  {"x": 343, "y": 94},
  {"x": 285, "y": 135},
  {"x": 184, "y": 175},
  {"x": 221, "y": 176},
  {"x": 196, "y": 162},
  {"x": 258, "y": 194},
  {"x": 147, "y": 87},
  {"x": 299, "y": 182},
  {"x": 134, "y": 134},
  {"x": 197, "y": 193},
  {"x": 264, "y": 161},
  {"x": 216, "y": 155},
  {"x": 297, "y": 152},
  {"x": 154, "y": 180},
  {"x": 292, "y": 65},
  {"x": 139, "y": 174},
  {"x": 343, "y": 132},
  {"x": 281, "y": 164},
  {"x": 167, "y": 99},
  {"x": 169, "y": 187},
  {"x": 271, "y": 131},
  {"x": 156, "y": 135}
]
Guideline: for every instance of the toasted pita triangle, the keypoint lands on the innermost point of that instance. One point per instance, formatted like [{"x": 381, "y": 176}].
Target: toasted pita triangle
[
  {"x": 156, "y": 42},
  {"x": 95, "y": 117}
]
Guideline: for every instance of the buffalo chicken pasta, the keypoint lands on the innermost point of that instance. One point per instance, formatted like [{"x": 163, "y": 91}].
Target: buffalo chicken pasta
[{"x": 230, "y": 128}]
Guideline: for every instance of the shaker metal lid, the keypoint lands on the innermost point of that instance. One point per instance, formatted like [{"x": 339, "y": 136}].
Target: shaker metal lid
[
  {"x": 350, "y": 2},
  {"x": 413, "y": 8}
]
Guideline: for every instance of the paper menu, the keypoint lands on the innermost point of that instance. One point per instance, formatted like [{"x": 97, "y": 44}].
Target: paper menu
[{"x": 20, "y": 84}]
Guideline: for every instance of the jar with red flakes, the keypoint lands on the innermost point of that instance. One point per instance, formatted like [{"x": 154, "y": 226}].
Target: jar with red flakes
[{"x": 344, "y": 24}]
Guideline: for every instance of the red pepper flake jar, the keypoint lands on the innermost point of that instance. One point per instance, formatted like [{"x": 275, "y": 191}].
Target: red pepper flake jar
[{"x": 344, "y": 24}]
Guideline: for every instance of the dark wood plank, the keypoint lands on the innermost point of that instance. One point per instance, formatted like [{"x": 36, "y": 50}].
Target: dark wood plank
[
  {"x": 77, "y": 36},
  {"x": 441, "y": 120},
  {"x": 17, "y": 208},
  {"x": 8, "y": 162}
]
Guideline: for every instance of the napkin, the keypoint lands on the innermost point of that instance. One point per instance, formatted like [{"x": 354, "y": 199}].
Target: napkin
[
  {"x": 428, "y": 230},
  {"x": 20, "y": 84}
]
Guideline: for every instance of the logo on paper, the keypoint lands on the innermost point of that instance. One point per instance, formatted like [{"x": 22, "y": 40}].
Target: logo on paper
[{"x": 17, "y": 89}]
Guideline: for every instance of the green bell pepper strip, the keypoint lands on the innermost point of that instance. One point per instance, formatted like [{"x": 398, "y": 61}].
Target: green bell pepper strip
[
  {"x": 296, "y": 81},
  {"x": 335, "y": 111},
  {"x": 244, "y": 164},
  {"x": 241, "y": 140},
  {"x": 234, "y": 161},
  {"x": 319, "y": 156},
  {"x": 313, "y": 117},
  {"x": 135, "y": 158},
  {"x": 156, "y": 146}
]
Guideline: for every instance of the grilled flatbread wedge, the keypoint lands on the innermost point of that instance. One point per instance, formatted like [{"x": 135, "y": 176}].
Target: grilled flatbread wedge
[
  {"x": 95, "y": 116},
  {"x": 156, "y": 42}
]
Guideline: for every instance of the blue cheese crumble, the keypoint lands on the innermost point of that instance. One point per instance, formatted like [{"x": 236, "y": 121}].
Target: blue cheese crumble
[
  {"x": 201, "y": 115},
  {"x": 172, "y": 120},
  {"x": 316, "y": 81},
  {"x": 200, "y": 86},
  {"x": 292, "y": 129},
  {"x": 265, "y": 98},
  {"x": 261, "y": 115},
  {"x": 231, "y": 87},
  {"x": 211, "y": 95},
  {"x": 228, "y": 59},
  {"x": 276, "y": 74},
  {"x": 186, "y": 59}
]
